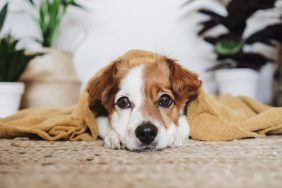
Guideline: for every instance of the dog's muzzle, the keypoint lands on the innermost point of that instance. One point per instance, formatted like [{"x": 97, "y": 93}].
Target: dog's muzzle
[{"x": 146, "y": 133}]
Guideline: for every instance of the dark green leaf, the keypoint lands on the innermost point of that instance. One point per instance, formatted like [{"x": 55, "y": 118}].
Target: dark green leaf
[
  {"x": 77, "y": 5},
  {"x": 12, "y": 61},
  {"x": 267, "y": 35},
  {"x": 238, "y": 12},
  {"x": 42, "y": 18},
  {"x": 31, "y": 2},
  {"x": 247, "y": 60},
  {"x": 3, "y": 14}
]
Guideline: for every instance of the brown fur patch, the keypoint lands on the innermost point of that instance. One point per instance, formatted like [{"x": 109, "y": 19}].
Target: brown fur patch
[
  {"x": 185, "y": 83},
  {"x": 102, "y": 89},
  {"x": 156, "y": 79},
  {"x": 104, "y": 86},
  {"x": 167, "y": 77}
]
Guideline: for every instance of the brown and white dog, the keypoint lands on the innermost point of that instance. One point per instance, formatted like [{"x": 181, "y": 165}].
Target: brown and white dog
[{"x": 140, "y": 101}]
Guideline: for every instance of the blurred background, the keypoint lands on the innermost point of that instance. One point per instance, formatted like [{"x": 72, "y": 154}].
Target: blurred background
[{"x": 92, "y": 33}]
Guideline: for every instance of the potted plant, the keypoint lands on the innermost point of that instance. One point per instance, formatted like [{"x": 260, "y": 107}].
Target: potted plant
[
  {"x": 277, "y": 85},
  {"x": 272, "y": 36},
  {"x": 13, "y": 62},
  {"x": 55, "y": 70},
  {"x": 49, "y": 14},
  {"x": 237, "y": 68}
]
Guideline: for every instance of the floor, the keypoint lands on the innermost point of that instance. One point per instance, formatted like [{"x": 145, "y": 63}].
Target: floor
[{"x": 245, "y": 163}]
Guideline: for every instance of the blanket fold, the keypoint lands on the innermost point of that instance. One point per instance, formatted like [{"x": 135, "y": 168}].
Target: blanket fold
[
  {"x": 228, "y": 117},
  {"x": 68, "y": 123},
  {"x": 211, "y": 118}
]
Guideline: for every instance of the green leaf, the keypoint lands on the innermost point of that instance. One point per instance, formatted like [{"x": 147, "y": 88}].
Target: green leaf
[
  {"x": 12, "y": 61},
  {"x": 31, "y": 2},
  {"x": 54, "y": 13},
  {"x": 3, "y": 14},
  {"x": 77, "y": 5},
  {"x": 228, "y": 47},
  {"x": 42, "y": 18},
  {"x": 51, "y": 13}
]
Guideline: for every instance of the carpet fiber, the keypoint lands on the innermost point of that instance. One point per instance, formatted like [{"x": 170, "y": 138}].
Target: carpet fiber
[{"x": 244, "y": 163}]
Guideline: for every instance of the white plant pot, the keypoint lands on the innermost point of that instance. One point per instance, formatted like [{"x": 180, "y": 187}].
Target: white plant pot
[
  {"x": 241, "y": 81},
  {"x": 10, "y": 97}
]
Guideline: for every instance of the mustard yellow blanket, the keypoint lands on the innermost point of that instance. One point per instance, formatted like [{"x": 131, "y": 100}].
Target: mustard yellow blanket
[{"x": 210, "y": 118}]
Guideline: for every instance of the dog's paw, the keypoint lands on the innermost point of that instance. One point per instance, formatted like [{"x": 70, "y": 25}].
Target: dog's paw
[
  {"x": 113, "y": 140},
  {"x": 177, "y": 140},
  {"x": 181, "y": 134}
]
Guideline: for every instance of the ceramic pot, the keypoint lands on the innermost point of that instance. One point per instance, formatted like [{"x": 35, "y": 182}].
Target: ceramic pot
[
  {"x": 240, "y": 81},
  {"x": 10, "y": 97}
]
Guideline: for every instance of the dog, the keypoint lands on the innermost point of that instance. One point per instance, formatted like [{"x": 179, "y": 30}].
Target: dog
[{"x": 140, "y": 101}]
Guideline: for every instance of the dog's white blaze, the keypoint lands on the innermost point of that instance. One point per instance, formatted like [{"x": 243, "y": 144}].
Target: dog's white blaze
[{"x": 125, "y": 121}]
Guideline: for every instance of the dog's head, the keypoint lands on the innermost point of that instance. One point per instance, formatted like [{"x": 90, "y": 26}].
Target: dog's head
[{"x": 143, "y": 98}]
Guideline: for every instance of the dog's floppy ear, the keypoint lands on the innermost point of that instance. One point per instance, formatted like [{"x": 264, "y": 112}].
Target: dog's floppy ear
[
  {"x": 102, "y": 89},
  {"x": 185, "y": 83}
]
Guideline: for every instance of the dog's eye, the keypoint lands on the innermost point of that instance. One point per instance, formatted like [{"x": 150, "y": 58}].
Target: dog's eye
[
  {"x": 165, "y": 101},
  {"x": 123, "y": 103}
]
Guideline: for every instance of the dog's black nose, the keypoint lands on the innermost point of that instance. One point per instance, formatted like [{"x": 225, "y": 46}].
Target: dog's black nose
[{"x": 146, "y": 133}]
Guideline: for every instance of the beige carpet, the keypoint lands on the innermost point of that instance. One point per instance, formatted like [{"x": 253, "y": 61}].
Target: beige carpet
[{"x": 39, "y": 164}]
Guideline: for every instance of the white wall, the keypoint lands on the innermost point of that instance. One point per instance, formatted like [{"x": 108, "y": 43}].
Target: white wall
[
  {"x": 113, "y": 27},
  {"x": 109, "y": 28}
]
